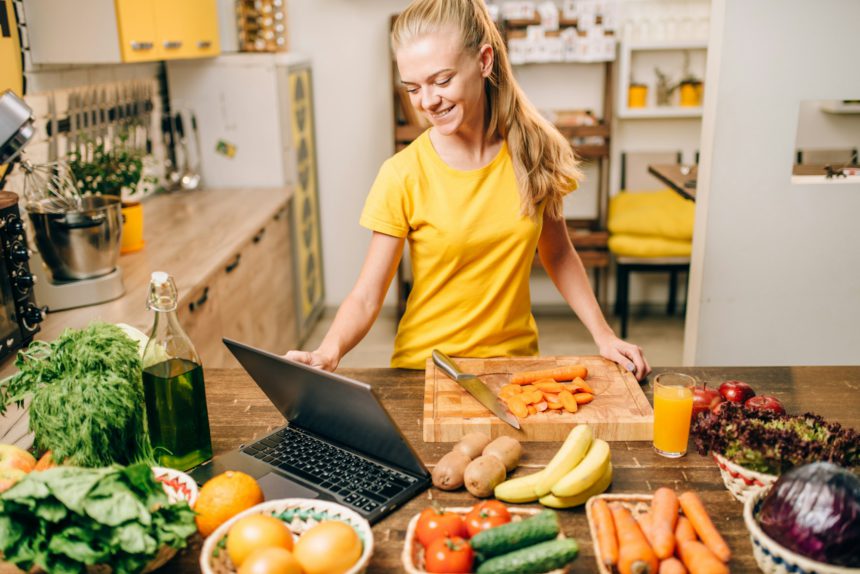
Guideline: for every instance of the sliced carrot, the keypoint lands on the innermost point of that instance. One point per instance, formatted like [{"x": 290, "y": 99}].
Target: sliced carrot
[
  {"x": 518, "y": 407},
  {"x": 541, "y": 406},
  {"x": 511, "y": 389},
  {"x": 700, "y": 560},
  {"x": 554, "y": 405},
  {"x": 672, "y": 566},
  {"x": 536, "y": 396},
  {"x": 566, "y": 373},
  {"x": 607, "y": 540},
  {"x": 568, "y": 401},
  {"x": 532, "y": 410},
  {"x": 664, "y": 510},
  {"x": 635, "y": 555},
  {"x": 684, "y": 531},
  {"x": 693, "y": 509},
  {"x": 550, "y": 387},
  {"x": 582, "y": 385},
  {"x": 583, "y": 398}
]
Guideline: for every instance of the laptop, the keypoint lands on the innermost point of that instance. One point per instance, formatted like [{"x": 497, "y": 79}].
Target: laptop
[{"x": 339, "y": 444}]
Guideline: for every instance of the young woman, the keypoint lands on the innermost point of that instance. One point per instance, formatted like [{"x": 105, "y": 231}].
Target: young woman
[{"x": 475, "y": 195}]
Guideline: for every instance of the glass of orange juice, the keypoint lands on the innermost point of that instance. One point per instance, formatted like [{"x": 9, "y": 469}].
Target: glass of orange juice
[{"x": 673, "y": 407}]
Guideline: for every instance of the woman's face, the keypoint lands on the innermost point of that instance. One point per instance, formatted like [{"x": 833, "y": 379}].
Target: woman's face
[{"x": 446, "y": 82}]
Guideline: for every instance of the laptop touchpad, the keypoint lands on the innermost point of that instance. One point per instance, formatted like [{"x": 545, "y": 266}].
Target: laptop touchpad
[{"x": 276, "y": 486}]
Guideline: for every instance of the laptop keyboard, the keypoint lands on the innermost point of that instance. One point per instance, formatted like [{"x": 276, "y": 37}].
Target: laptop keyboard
[{"x": 356, "y": 481}]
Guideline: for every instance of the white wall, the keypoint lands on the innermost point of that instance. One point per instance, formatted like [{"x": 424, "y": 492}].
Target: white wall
[{"x": 776, "y": 266}]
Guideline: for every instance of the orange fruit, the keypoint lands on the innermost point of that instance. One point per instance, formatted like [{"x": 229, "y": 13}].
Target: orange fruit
[
  {"x": 223, "y": 497},
  {"x": 254, "y": 533},
  {"x": 271, "y": 561},
  {"x": 330, "y": 547}
]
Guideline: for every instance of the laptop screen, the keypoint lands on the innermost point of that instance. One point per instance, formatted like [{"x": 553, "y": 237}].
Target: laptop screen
[{"x": 329, "y": 405}]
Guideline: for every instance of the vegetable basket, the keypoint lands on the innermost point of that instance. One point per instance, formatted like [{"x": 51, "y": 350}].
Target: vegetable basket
[
  {"x": 773, "y": 558},
  {"x": 299, "y": 514},
  {"x": 636, "y": 503},
  {"x": 413, "y": 551},
  {"x": 742, "y": 482}
]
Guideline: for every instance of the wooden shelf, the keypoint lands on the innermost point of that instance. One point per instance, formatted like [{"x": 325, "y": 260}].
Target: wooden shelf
[
  {"x": 600, "y": 130},
  {"x": 666, "y": 45},
  {"x": 840, "y": 108},
  {"x": 591, "y": 151}
]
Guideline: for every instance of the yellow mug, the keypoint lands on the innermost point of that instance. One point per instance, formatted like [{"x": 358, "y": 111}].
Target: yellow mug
[
  {"x": 132, "y": 227},
  {"x": 636, "y": 95}
]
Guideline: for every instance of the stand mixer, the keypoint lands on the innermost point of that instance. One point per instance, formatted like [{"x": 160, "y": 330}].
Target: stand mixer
[{"x": 76, "y": 239}]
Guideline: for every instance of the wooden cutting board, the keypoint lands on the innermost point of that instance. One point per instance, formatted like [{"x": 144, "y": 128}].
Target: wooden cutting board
[{"x": 619, "y": 411}]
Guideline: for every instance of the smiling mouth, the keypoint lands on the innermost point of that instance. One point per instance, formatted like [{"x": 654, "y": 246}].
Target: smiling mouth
[{"x": 442, "y": 114}]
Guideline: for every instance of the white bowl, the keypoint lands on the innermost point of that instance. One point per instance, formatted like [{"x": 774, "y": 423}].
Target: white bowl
[
  {"x": 177, "y": 485},
  {"x": 773, "y": 558},
  {"x": 306, "y": 514}
]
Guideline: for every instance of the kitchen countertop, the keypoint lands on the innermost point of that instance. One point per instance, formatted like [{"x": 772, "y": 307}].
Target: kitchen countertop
[
  {"x": 239, "y": 413},
  {"x": 190, "y": 234}
]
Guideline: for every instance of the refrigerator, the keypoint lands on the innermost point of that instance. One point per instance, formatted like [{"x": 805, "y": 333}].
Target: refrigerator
[{"x": 255, "y": 122}]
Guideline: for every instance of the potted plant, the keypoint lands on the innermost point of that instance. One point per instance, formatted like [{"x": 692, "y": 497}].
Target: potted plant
[
  {"x": 754, "y": 447},
  {"x": 691, "y": 90},
  {"x": 115, "y": 171}
]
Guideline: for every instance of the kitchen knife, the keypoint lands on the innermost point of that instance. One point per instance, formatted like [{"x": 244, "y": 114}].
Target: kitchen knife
[{"x": 475, "y": 387}]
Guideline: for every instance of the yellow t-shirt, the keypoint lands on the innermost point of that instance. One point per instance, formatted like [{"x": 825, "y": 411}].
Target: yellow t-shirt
[{"x": 471, "y": 252}]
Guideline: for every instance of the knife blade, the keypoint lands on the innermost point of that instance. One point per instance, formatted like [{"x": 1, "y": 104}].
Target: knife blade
[{"x": 474, "y": 386}]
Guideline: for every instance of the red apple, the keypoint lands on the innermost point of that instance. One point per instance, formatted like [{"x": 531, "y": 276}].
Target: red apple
[
  {"x": 765, "y": 403},
  {"x": 12, "y": 456},
  {"x": 736, "y": 391},
  {"x": 9, "y": 476},
  {"x": 705, "y": 399}
]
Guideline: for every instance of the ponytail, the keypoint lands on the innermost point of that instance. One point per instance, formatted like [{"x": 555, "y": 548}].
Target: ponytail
[{"x": 544, "y": 163}]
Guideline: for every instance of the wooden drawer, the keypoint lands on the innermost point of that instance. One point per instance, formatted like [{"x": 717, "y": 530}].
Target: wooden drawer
[{"x": 200, "y": 317}]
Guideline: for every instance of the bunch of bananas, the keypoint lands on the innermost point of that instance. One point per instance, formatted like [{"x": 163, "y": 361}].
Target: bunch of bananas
[{"x": 579, "y": 470}]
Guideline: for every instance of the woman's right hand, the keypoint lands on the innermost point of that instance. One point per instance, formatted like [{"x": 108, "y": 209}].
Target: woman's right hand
[{"x": 313, "y": 359}]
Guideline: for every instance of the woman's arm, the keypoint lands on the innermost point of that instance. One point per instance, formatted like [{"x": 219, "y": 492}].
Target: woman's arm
[
  {"x": 361, "y": 307},
  {"x": 565, "y": 268}
]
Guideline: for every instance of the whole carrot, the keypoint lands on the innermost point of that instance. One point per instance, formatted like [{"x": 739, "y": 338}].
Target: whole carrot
[
  {"x": 672, "y": 566},
  {"x": 664, "y": 513},
  {"x": 566, "y": 373},
  {"x": 700, "y": 560},
  {"x": 684, "y": 531},
  {"x": 646, "y": 526},
  {"x": 607, "y": 540},
  {"x": 694, "y": 510},
  {"x": 635, "y": 555}
]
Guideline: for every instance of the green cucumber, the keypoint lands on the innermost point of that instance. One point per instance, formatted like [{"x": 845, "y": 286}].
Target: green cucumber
[
  {"x": 535, "y": 559},
  {"x": 515, "y": 535}
]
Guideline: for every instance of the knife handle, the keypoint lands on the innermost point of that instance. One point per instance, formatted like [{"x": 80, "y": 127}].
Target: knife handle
[{"x": 445, "y": 363}]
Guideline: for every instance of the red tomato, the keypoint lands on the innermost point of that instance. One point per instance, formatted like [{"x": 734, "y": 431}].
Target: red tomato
[
  {"x": 434, "y": 523},
  {"x": 486, "y": 514},
  {"x": 448, "y": 554}
]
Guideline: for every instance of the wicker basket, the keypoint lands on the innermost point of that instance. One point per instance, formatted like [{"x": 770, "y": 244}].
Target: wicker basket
[
  {"x": 301, "y": 515},
  {"x": 178, "y": 486},
  {"x": 773, "y": 558},
  {"x": 742, "y": 482},
  {"x": 413, "y": 551},
  {"x": 636, "y": 503}
]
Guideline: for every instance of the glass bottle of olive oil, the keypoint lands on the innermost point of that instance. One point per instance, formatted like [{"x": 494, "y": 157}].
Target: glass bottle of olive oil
[{"x": 173, "y": 384}]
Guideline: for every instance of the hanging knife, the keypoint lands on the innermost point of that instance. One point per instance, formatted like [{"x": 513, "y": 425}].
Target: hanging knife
[{"x": 475, "y": 387}]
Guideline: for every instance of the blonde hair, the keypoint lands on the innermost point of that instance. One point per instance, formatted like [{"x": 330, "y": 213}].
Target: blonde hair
[{"x": 544, "y": 163}]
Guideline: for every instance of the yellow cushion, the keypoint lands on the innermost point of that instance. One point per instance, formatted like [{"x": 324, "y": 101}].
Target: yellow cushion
[
  {"x": 661, "y": 213},
  {"x": 648, "y": 246}
]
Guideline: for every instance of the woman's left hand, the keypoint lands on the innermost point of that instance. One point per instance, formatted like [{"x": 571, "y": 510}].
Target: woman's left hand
[{"x": 628, "y": 355}]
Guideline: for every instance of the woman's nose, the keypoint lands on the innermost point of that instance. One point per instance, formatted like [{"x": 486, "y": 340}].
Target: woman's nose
[{"x": 429, "y": 99}]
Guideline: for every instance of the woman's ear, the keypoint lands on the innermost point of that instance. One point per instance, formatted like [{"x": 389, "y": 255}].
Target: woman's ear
[{"x": 486, "y": 57}]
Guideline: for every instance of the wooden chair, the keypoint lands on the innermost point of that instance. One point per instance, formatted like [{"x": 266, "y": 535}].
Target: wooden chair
[{"x": 634, "y": 176}]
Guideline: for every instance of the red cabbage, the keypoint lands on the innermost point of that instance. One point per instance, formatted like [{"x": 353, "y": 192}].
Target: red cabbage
[{"x": 814, "y": 510}]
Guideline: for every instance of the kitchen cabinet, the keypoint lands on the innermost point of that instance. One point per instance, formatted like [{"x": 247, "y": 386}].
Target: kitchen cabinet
[{"x": 114, "y": 31}]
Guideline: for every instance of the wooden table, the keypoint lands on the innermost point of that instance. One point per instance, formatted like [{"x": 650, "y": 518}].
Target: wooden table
[
  {"x": 672, "y": 174},
  {"x": 239, "y": 412}
]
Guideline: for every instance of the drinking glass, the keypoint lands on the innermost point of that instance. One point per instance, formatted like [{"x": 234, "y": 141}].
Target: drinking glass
[{"x": 673, "y": 407}]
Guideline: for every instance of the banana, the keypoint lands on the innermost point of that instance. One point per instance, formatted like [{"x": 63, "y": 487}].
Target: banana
[
  {"x": 520, "y": 489},
  {"x": 568, "y": 456},
  {"x": 586, "y": 472},
  {"x": 598, "y": 487}
]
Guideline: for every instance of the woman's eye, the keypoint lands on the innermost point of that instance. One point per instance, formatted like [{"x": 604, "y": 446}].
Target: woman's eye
[
  {"x": 412, "y": 90},
  {"x": 443, "y": 82}
]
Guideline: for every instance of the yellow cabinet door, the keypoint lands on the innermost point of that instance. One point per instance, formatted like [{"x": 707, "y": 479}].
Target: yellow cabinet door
[
  {"x": 204, "y": 30},
  {"x": 137, "y": 31},
  {"x": 187, "y": 28}
]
